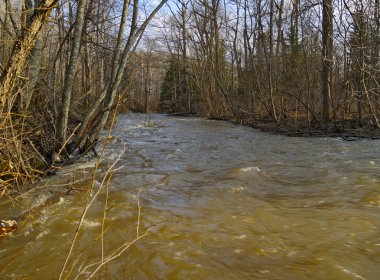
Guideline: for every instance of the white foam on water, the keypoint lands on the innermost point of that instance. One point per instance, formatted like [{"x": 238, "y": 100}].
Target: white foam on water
[
  {"x": 41, "y": 200},
  {"x": 90, "y": 224},
  {"x": 180, "y": 255},
  {"x": 136, "y": 126},
  {"x": 250, "y": 168},
  {"x": 78, "y": 166},
  {"x": 243, "y": 236},
  {"x": 61, "y": 200},
  {"x": 357, "y": 276},
  {"x": 42, "y": 234},
  {"x": 236, "y": 189}
]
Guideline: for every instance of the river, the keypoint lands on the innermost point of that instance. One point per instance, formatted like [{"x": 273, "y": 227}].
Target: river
[{"x": 221, "y": 201}]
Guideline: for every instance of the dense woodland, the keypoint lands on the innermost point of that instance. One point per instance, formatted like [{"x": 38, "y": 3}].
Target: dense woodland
[
  {"x": 66, "y": 65},
  {"x": 315, "y": 61}
]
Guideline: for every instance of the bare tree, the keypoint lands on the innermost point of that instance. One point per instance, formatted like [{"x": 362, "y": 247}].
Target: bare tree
[
  {"x": 22, "y": 50},
  {"x": 327, "y": 59},
  {"x": 70, "y": 72},
  {"x": 96, "y": 117}
]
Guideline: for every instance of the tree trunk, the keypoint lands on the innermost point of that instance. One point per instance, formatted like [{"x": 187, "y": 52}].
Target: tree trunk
[
  {"x": 22, "y": 50},
  {"x": 279, "y": 28},
  {"x": 327, "y": 59},
  {"x": 96, "y": 118},
  {"x": 70, "y": 73},
  {"x": 33, "y": 74}
]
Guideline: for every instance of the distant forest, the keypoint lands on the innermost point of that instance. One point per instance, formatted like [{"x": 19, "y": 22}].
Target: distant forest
[
  {"x": 313, "y": 60},
  {"x": 65, "y": 66}
]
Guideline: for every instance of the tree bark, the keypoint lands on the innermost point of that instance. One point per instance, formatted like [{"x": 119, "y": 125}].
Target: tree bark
[
  {"x": 327, "y": 59},
  {"x": 22, "y": 50},
  {"x": 70, "y": 72},
  {"x": 33, "y": 74},
  {"x": 96, "y": 118}
]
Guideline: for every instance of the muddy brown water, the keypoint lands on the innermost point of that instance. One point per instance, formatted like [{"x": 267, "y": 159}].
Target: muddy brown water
[{"x": 229, "y": 202}]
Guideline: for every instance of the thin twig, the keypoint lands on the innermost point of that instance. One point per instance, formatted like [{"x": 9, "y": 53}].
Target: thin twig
[{"x": 90, "y": 200}]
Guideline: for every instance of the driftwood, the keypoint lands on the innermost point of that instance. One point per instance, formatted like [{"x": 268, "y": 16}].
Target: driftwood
[{"x": 7, "y": 226}]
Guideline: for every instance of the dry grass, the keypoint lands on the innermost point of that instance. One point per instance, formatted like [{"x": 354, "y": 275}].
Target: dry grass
[
  {"x": 18, "y": 155},
  {"x": 26, "y": 145}
]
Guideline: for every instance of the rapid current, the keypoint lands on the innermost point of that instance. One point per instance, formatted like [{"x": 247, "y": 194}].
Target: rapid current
[{"x": 221, "y": 201}]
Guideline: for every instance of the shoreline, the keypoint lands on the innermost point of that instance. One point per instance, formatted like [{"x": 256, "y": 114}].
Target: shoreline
[
  {"x": 348, "y": 130},
  {"x": 341, "y": 130}
]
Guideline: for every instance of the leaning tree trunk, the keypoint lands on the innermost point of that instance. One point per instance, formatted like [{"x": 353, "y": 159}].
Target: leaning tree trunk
[
  {"x": 97, "y": 117},
  {"x": 92, "y": 114},
  {"x": 22, "y": 50}
]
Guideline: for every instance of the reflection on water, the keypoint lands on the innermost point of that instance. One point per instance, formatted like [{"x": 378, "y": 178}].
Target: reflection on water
[{"x": 229, "y": 203}]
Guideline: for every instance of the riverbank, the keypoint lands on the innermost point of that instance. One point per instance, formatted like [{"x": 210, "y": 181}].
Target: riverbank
[{"x": 348, "y": 130}]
